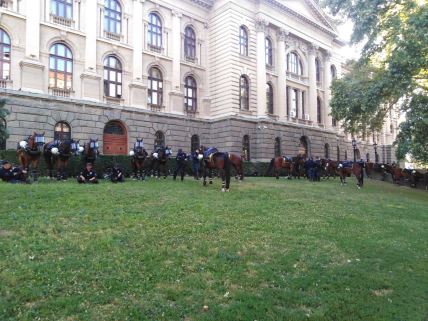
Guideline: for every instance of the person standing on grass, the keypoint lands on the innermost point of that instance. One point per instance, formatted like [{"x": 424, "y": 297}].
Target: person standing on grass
[
  {"x": 317, "y": 169},
  {"x": 362, "y": 165},
  {"x": 196, "y": 163},
  {"x": 180, "y": 167},
  {"x": 88, "y": 175}
]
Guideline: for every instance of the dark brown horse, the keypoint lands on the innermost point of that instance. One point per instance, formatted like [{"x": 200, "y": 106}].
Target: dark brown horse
[
  {"x": 277, "y": 163},
  {"x": 159, "y": 161},
  {"x": 29, "y": 152},
  {"x": 298, "y": 169},
  {"x": 57, "y": 154},
  {"x": 216, "y": 161},
  {"x": 238, "y": 165},
  {"x": 91, "y": 151},
  {"x": 346, "y": 169},
  {"x": 139, "y": 160},
  {"x": 329, "y": 168}
]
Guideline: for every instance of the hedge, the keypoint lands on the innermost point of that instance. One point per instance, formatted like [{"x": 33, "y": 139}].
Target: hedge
[{"x": 104, "y": 162}]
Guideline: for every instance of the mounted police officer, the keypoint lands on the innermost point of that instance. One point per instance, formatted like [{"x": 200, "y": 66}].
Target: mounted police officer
[
  {"x": 88, "y": 175},
  {"x": 181, "y": 164}
]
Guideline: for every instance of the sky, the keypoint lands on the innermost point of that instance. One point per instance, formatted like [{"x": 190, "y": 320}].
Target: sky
[{"x": 345, "y": 32}]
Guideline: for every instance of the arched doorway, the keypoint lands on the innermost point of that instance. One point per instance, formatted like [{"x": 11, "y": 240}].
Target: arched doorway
[
  {"x": 246, "y": 148},
  {"x": 326, "y": 151},
  {"x": 304, "y": 147},
  {"x": 159, "y": 140},
  {"x": 277, "y": 147},
  {"x": 62, "y": 131},
  {"x": 194, "y": 143},
  {"x": 115, "y": 139},
  {"x": 357, "y": 154}
]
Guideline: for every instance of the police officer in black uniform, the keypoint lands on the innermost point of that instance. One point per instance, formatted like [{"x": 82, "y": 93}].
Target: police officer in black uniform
[
  {"x": 362, "y": 165},
  {"x": 181, "y": 164},
  {"x": 117, "y": 175},
  {"x": 88, "y": 175},
  {"x": 11, "y": 174}
]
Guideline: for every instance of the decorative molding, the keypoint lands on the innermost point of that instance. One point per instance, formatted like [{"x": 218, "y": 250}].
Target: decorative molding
[
  {"x": 261, "y": 25},
  {"x": 282, "y": 35}
]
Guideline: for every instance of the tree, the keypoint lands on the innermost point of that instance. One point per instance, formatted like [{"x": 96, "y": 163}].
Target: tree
[
  {"x": 393, "y": 68},
  {"x": 3, "y": 113}
]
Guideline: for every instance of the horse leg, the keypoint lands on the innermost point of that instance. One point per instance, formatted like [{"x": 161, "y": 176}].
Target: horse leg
[
  {"x": 205, "y": 176},
  {"x": 210, "y": 175}
]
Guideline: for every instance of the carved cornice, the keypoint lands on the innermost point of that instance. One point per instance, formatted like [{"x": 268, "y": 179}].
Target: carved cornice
[
  {"x": 207, "y": 4},
  {"x": 282, "y": 35},
  {"x": 261, "y": 25}
]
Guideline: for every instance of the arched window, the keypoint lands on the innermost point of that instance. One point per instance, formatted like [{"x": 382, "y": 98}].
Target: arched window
[
  {"x": 338, "y": 153},
  {"x": 3, "y": 141},
  {"x": 189, "y": 43},
  {"x": 243, "y": 41},
  {"x": 62, "y": 131},
  {"x": 155, "y": 97},
  {"x": 318, "y": 70},
  {"x": 326, "y": 151},
  {"x": 112, "y": 16},
  {"x": 244, "y": 93},
  {"x": 190, "y": 94},
  {"x": 4, "y": 55},
  {"x": 115, "y": 139},
  {"x": 304, "y": 147},
  {"x": 294, "y": 64},
  {"x": 333, "y": 72},
  {"x": 246, "y": 148},
  {"x": 62, "y": 8},
  {"x": 112, "y": 77},
  {"x": 159, "y": 140},
  {"x": 269, "y": 98},
  {"x": 60, "y": 67},
  {"x": 319, "y": 118},
  {"x": 277, "y": 147},
  {"x": 154, "y": 38},
  {"x": 194, "y": 143},
  {"x": 268, "y": 49}
]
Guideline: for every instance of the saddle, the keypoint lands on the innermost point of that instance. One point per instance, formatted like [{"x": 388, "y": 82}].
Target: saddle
[{"x": 209, "y": 153}]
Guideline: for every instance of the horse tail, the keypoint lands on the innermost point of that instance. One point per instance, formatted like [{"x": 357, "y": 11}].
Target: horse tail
[{"x": 270, "y": 167}]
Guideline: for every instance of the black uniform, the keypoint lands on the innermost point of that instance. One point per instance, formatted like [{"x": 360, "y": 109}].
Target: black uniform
[
  {"x": 89, "y": 176},
  {"x": 12, "y": 175},
  {"x": 362, "y": 165},
  {"x": 117, "y": 175},
  {"x": 181, "y": 164}
]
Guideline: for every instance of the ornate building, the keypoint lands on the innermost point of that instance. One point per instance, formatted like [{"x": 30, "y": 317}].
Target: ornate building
[{"x": 248, "y": 76}]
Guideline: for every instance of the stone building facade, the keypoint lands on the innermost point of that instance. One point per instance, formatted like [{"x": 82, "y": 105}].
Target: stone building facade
[{"x": 248, "y": 76}]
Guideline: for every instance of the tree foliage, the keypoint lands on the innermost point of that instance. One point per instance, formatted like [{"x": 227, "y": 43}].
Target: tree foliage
[
  {"x": 393, "y": 68},
  {"x": 3, "y": 113}
]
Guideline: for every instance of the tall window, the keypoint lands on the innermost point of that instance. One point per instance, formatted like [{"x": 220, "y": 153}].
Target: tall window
[
  {"x": 244, "y": 93},
  {"x": 243, "y": 41},
  {"x": 62, "y": 131},
  {"x": 112, "y": 77},
  {"x": 277, "y": 147},
  {"x": 159, "y": 140},
  {"x": 318, "y": 69},
  {"x": 246, "y": 147},
  {"x": 326, "y": 151},
  {"x": 60, "y": 67},
  {"x": 4, "y": 55},
  {"x": 194, "y": 143},
  {"x": 319, "y": 118},
  {"x": 269, "y": 98},
  {"x": 294, "y": 65},
  {"x": 112, "y": 16},
  {"x": 338, "y": 153},
  {"x": 154, "y": 38},
  {"x": 333, "y": 72},
  {"x": 303, "y": 104},
  {"x": 189, "y": 43},
  {"x": 62, "y": 8},
  {"x": 155, "y": 96},
  {"x": 268, "y": 49},
  {"x": 294, "y": 102},
  {"x": 190, "y": 91}
]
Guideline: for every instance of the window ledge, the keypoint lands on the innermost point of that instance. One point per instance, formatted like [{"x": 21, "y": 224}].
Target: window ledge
[
  {"x": 113, "y": 100},
  {"x": 61, "y": 20},
  {"x": 153, "y": 107},
  {"x": 61, "y": 92}
]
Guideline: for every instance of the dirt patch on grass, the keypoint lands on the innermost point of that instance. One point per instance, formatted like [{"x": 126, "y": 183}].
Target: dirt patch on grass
[
  {"x": 382, "y": 292},
  {"x": 6, "y": 233}
]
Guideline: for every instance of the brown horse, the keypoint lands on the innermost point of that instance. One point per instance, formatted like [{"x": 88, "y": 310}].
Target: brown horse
[
  {"x": 90, "y": 151},
  {"x": 344, "y": 171},
  {"x": 238, "y": 165},
  {"x": 216, "y": 161},
  {"x": 57, "y": 154},
  {"x": 298, "y": 168},
  {"x": 29, "y": 152},
  {"x": 277, "y": 163},
  {"x": 139, "y": 160},
  {"x": 330, "y": 168}
]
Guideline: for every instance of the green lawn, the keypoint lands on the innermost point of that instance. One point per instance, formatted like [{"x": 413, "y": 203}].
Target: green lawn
[{"x": 162, "y": 250}]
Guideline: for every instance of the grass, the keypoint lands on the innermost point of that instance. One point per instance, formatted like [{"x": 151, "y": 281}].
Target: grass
[{"x": 164, "y": 250}]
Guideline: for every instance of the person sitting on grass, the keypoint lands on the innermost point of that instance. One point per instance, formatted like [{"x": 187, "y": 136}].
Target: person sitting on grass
[
  {"x": 117, "y": 174},
  {"x": 88, "y": 175},
  {"x": 11, "y": 174}
]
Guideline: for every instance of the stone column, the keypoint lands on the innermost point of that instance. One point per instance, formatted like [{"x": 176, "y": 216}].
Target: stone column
[
  {"x": 312, "y": 93},
  {"x": 326, "y": 83},
  {"x": 137, "y": 39},
  {"x": 176, "y": 96},
  {"x": 281, "y": 104},
  {"x": 32, "y": 34},
  {"x": 261, "y": 67}
]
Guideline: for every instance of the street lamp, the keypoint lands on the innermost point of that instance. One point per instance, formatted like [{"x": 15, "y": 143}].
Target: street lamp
[
  {"x": 354, "y": 146},
  {"x": 375, "y": 152}
]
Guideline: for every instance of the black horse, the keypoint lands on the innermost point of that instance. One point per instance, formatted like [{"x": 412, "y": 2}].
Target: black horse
[
  {"x": 159, "y": 161},
  {"x": 90, "y": 151},
  {"x": 140, "y": 161},
  {"x": 219, "y": 161},
  {"x": 58, "y": 153}
]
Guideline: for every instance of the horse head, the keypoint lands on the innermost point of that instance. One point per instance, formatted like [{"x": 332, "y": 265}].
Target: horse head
[
  {"x": 36, "y": 141},
  {"x": 75, "y": 147}
]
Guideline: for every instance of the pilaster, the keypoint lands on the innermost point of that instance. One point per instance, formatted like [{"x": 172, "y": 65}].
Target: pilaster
[
  {"x": 261, "y": 26},
  {"x": 281, "y": 107}
]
